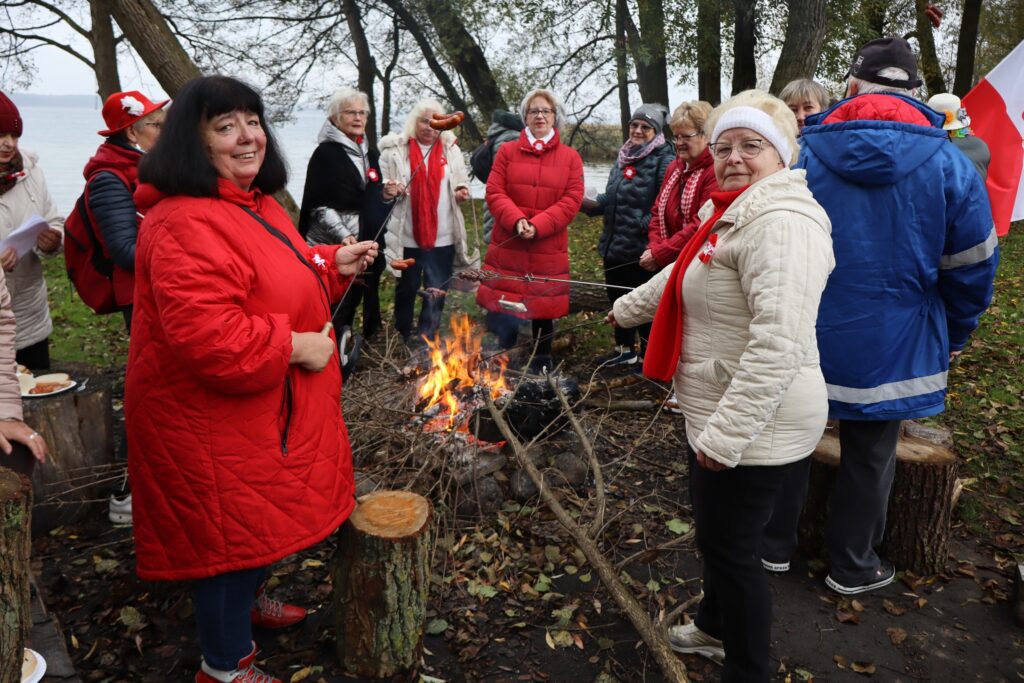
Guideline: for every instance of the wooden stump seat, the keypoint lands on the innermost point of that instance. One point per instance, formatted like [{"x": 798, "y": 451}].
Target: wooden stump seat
[
  {"x": 15, "y": 545},
  {"x": 917, "y": 530},
  {"x": 381, "y": 579}
]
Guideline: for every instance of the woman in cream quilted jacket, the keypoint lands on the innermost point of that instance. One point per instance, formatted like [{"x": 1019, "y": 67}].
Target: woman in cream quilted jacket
[{"x": 734, "y": 329}]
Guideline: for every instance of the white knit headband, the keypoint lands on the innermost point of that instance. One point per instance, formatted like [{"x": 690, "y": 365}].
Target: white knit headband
[{"x": 758, "y": 121}]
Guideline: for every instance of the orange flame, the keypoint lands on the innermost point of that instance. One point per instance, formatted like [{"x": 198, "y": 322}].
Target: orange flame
[{"x": 456, "y": 364}]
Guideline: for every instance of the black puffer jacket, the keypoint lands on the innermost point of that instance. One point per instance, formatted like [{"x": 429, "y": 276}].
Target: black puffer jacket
[{"x": 626, "y": 205}]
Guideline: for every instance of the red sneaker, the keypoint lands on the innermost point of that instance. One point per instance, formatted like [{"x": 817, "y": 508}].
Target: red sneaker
[
  {"x": 245, "y": 673},
  {"x": 274, "y": 614}
]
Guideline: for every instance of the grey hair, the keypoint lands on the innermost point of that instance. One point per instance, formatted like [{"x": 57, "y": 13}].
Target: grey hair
[
  {"x": 893, "y": 72},
  {"x": 419, "y": 109},
  {"x": 343, "y": 96},
  {"x": 139, "y": 125},
  {"x": 805, "y": 90},
  {"x": 551, "y": 97}
]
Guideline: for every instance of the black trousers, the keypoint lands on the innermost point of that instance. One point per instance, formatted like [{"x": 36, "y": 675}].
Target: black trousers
[
  {"x": 368, "y": 293},
  {"x": 730, "y": 510},
  {"x": 35, "y": 357},
  {"x": 627, "y": 275},
  {"x": 506, "y": 327}
]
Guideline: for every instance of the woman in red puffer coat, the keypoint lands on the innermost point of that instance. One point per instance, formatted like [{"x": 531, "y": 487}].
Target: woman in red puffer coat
[
  {"x": 534, "y": 190},
  {"x": 232, "y": 398}
]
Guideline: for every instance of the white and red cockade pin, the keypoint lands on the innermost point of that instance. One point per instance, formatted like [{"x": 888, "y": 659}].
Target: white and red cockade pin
[
  {"x": 320, "y": 262},
  {"x": 708, "y": 252},
  {"x": 372, "y": 175},
  {"x": 629, "y": 172},
  {"x": 539, "y": 146}
]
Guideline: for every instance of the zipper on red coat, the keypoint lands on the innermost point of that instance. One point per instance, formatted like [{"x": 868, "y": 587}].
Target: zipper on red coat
[{"x": 286, "y": 408}]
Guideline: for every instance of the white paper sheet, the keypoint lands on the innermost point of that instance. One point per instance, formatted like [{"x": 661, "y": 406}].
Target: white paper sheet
[{"x": 23, "y": 238}]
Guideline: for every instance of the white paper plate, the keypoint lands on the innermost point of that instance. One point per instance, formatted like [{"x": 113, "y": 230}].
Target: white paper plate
[
  {"x": 33, "y": 667},
  {"x": 69, "y": 387}
]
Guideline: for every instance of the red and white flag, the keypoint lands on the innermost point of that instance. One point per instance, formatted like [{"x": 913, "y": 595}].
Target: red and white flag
[{"x": 996, "y": 108}]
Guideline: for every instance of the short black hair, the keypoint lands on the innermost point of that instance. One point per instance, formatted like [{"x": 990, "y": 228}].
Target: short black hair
[{"x": 178, "y": 163}]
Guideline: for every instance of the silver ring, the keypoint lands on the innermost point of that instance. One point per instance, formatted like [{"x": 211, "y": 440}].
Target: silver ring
[{"x": 33, "y": 435}]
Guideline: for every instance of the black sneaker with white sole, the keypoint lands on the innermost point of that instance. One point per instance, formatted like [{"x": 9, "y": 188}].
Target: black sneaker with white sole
[{"x": 883, "y": 576}]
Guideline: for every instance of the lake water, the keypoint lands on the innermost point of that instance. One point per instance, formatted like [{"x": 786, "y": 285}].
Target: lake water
[{"x": 65, "y": 138}]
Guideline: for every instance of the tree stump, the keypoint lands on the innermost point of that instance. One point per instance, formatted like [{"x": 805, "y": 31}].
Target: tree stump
[
  {"x": 381, "y": 577},
  {"x": 15, "y": 545},
  {"x": 917, "y": 532},
  {"x": 78, "y": 428}
]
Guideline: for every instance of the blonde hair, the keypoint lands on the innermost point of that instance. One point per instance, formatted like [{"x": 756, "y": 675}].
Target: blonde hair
[
  {"x": 343, "y": 96},
  {"x": 695, "y": 113},
  {"x": 805, "y": 90},
  {"x": 778, "y": 110},
  {"x": 552, "y": 99}
]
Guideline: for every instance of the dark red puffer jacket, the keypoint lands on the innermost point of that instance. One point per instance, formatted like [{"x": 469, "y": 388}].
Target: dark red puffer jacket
[
  {"x": 238, "y": 458},
  {"x": 545, "y": 186}
]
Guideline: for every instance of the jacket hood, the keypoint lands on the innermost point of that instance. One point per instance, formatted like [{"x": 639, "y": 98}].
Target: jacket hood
[
  {"x": 785, "y": 190},
  {"x": 330, "y": 133},
  {"x": 147, "y": 196},
  {"x": 502, "y": 121},
  {"x": 111, "y": 156},
  {"x": 874, "y": 139}
]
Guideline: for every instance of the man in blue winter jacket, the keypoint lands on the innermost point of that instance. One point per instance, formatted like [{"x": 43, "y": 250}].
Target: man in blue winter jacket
[{"x": 916, "y": 254}]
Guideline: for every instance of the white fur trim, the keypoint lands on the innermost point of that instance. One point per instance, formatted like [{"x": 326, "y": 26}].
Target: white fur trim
[{"x": 758, "y": 121}]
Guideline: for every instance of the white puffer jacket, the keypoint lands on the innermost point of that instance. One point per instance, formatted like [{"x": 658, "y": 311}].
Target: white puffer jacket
[
  {"x": 748, "y": 379},
  {"x": 394, "y": 165},
  {"x": 28, "y": 197}
]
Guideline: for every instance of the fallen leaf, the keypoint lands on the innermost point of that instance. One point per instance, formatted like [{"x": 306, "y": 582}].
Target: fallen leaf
[
  {"x": 310, "y": 564},
  {"x": 896, "y": 635},
  {"x": 857, "y": 606},
  {"x": 847, "y": 617},
  {"x": 304, "y": 673},
  {"x": 863, "y": 667},
  {"x": 840, "y": 661},
  {"x": 921, "y": 602},
  {"x": 437, "y": 626},
  {"x": 677, "y": 526},
  {"x": 549, "y": 640},
  {"x": 892, "y": 608}
]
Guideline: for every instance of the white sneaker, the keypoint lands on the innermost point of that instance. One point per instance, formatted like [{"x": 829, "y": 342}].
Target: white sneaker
[
  {"x": 120, "y": 511},
  {"x": 775, "y": 567},
  {"x": 688, "y": 639}
]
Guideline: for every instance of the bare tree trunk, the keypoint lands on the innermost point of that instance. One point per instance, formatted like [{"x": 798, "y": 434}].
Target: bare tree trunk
[
  {"x": 465, "y": 55},
  {"x": 385, "y": 105},
  {"x": 965, "y": 49},
  {"x": 412, "y": 25},
  {"x": 709, "y": 50},
  {"x": 621, "y": 66},
  {"x": 930, "y": 68},
  {"x": 104, "y": 49},
  {"x": 364, "y": 63},
  {"x": 652, "y": 79},
  {"x": 805, "y": 35},
  {"x": 744, "y": 67},
  {"x": 150, "y": 35}
]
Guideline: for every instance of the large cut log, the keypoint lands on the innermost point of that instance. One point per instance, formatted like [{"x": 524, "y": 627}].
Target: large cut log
[
  {"x": 381, "y": 576},
  {"x": 15, "y": 544},
  {"x": 917, "y": 532},
  {"x": 78, "y": 428}
]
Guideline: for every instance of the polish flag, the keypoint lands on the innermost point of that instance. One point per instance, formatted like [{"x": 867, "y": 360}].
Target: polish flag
[{"x": 996, "y": 108}]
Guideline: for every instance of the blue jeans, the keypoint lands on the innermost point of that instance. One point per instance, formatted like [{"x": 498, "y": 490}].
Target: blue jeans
[
  {"x": 223, "y": 606},
  {"x": 433, "y": 268}
]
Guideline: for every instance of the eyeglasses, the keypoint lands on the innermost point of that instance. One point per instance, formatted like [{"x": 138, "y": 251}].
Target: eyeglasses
[
  {"x": 748, "y": 149},
  {"x": 643, "y": 127},
  {"x": 353, "y": 113},
  {"x": 683, "y": 137},
  {"x": 540, "y": 112}
]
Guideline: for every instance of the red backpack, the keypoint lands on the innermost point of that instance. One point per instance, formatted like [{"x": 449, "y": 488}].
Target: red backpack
[{"x": 89, "y": 266}]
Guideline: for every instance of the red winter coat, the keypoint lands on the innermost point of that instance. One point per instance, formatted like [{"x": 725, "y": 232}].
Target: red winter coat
[
  {"x": 674, "y": 217},
  {"x": 546, "y": 187},
  {"x": 238, "y": 458}
]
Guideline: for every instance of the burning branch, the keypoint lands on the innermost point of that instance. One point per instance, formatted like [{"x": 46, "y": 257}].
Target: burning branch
[{"x": 585, "y": 540}]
